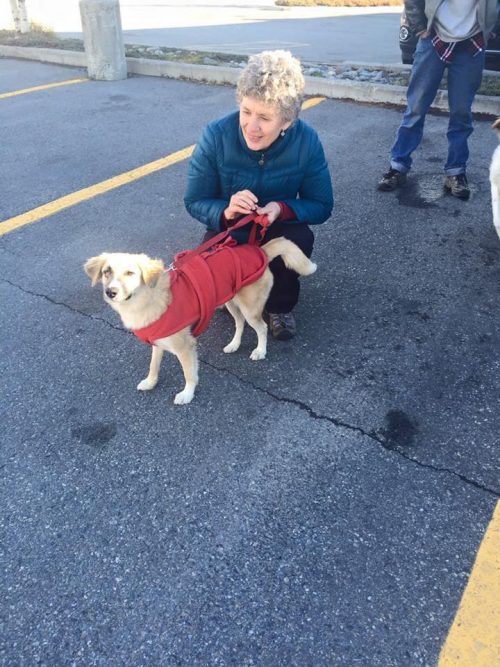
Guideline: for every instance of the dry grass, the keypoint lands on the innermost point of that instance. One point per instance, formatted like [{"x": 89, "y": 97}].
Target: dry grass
[
  {"x": 39, "y": 38},
  {"x": 339, "y": 3}
]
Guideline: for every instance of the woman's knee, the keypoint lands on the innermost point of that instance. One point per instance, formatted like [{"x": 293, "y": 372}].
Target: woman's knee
[{"x": 302, "y": 236}]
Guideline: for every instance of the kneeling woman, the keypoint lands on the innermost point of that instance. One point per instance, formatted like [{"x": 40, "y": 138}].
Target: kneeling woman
[{"x": 264, "y": 159}]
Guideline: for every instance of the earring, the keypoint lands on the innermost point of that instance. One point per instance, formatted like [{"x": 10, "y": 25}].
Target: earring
[{"x": 282, "y": 133}]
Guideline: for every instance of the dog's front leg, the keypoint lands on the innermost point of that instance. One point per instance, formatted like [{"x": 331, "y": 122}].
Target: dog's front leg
[
  {"x": 183, "y": 345},
  {"x": 154, "y": 369}
]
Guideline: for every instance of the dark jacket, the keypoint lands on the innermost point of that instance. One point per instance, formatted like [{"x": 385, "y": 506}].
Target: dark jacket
[
  {"x": 421, "y": 13},
  {"x": 293, "y": 166}
]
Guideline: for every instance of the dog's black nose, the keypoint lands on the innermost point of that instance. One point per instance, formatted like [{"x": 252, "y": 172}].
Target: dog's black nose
[{"x": 111, "y": 293}]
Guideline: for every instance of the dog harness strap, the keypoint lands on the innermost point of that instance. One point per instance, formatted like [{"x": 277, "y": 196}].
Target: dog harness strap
[
  {"x": 259, "y": 220},
  {"x": 204, "y": 283},
  {"x": 198, "y": 272}
]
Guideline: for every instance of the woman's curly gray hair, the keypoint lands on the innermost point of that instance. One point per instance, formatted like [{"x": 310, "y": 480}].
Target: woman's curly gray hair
[{"x": 273, "y": 77}]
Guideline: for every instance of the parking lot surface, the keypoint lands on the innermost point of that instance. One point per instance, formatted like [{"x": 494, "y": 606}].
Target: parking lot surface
[{"x": 322, "y": 507}]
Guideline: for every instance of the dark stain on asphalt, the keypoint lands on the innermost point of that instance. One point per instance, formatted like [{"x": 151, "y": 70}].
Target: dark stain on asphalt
[
  {"x": 96, "y": 434},
  {"x": 119, "y": 98},
  {"x": 413, "y": 194},
  {"x": 399, "y": 431}
]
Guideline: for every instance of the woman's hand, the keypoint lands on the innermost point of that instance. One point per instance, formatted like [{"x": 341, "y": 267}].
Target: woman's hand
[
  {"x": 241, "y": 203},
  {"x": 272, "y": 210}
]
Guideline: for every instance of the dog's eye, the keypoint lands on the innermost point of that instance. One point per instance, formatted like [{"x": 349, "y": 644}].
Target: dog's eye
[
  {"x": 106, "y": 271},
  {"x": 129, "y": 273}
]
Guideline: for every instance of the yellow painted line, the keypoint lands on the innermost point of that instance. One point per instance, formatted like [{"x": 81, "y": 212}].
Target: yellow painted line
[
  {"x": 474, "y": 637},
  {"x": 44, "y": 87},
  {"x": 87, "y": 193},
  {"x": 105, "y": 186},
  {"x": 312, "y": 102}
]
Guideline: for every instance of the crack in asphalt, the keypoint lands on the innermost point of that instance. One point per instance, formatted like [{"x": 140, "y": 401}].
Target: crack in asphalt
[
  {"x": 372, "y": 435},
  {"x": 65, "y": 305}
]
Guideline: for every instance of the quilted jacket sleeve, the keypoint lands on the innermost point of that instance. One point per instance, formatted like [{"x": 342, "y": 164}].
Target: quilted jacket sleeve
[
  {"x": 415, "y": 13},
  {"x": 203, "y": 192},
  {"x": 315, "y": 202}
]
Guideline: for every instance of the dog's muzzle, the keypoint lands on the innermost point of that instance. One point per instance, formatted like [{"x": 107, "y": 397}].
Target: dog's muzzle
[{"x": 111, "y": 292}]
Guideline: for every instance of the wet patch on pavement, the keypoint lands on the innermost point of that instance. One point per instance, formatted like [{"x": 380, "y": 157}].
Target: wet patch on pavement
[{"x": 96, "y": 434}]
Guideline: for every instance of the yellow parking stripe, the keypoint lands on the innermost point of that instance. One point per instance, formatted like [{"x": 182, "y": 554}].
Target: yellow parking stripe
[
  {"x": 312, "y": 102},
  {"x": 474, "y": 637},
  {"x": 45, "y": 87},
  {"x": 87, "y": 193},
  {"x": 110, "y": 184}
]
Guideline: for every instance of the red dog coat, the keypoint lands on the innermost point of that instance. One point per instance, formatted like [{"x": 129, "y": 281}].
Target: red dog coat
[{"x": 201, "y": 284}]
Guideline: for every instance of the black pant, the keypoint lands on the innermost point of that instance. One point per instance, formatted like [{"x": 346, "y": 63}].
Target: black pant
[{"x": 286, "y": 288}]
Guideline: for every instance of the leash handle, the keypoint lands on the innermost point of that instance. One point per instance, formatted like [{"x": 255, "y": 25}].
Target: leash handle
[{"x": 258, "y": 220}]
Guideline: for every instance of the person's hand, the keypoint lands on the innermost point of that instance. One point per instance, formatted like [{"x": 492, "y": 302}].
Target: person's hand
[
  {"x": 272, "y": 210},
  {"x": 424, "y": 34},
  {"x": 241, "y": 203}
]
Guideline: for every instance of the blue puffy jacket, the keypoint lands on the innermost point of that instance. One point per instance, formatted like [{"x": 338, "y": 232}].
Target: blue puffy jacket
[{"x": 293, "y": 166}]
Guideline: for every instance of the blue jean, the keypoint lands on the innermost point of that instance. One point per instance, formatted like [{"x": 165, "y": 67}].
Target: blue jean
[{"x": 464, "y": 78}]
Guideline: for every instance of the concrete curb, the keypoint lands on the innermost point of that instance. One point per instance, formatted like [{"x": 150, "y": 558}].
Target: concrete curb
[
  {"x": 55, "y": 56},
  {"x": 357, "y": 91}
]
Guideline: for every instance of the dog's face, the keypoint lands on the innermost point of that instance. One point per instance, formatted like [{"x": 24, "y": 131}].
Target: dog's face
[{"x": 123, "y": 274}]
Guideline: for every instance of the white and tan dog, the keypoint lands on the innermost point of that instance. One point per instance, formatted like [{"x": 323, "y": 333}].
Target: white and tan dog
[
  {"x": 495, "y": 180},
  {"x": 138, "y": 288}
]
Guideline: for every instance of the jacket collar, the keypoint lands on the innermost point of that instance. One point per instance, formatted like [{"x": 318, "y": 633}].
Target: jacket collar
[{"x": 275, "y": 149}]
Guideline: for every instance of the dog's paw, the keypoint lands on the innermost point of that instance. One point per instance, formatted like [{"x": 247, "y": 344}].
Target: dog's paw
[
  {"x": 231, "y": 347},
  {"x": 183, "y": 397},
  {"x": 146, "y": 385},
  {"x": 257, "y": 355}
]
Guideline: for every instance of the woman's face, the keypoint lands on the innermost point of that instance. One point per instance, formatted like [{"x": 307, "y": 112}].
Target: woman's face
[{"x": 260, "y": 122}]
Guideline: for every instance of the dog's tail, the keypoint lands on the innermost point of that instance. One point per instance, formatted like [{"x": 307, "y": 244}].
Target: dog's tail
[
  {"x": 292, "y": 255},
  {"x": 496, "y": 127}
]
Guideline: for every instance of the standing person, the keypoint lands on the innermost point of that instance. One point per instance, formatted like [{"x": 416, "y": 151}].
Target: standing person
[
  {"x": 263, "y": 159},
  {"x": 452, "y": 35}
]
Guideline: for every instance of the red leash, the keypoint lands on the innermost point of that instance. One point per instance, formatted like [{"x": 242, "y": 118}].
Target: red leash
[{"x": 260, "y": 221}]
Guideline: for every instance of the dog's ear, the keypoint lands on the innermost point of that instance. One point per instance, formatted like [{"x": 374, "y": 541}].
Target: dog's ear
[
  {"x": 93, "y": 267},
  {"x": 496, "y": 124},
  {"x": 151, "y": 270}
]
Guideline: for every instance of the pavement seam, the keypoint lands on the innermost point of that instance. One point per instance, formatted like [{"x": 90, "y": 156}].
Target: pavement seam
[
  {"x": 372, "y": 435},
  {"x": 65, "y": 305}
]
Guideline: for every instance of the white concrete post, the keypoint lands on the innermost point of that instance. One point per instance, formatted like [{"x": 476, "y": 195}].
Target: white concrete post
[
  {"x": 20, "y": 15},
  {"x": 103, "y": 39}
]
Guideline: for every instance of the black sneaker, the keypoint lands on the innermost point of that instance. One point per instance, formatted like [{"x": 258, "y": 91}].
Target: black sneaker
[
  {"x": 391, "y": 180},
  {"x": 282, "y": 325},
  {"x": 457, "y": 186}
]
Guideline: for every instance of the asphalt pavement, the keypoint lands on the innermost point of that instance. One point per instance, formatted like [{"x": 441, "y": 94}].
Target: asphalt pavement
[{"x": 322, "y": 507}]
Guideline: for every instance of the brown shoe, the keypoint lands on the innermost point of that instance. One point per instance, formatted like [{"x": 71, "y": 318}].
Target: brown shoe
[
  {"x": 457, "y": 186},
  {"x": 282, "y": 325},
  {"x": 391, "y": 180}
]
